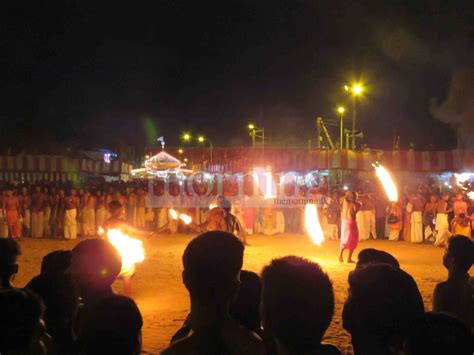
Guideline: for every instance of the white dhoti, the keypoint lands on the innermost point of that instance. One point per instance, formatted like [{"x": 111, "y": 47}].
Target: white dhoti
[
  {"x": 416, "y": 227},
  {"x": 37, "y": 224},
  {"x": 27, "y": 220},
  {"x": 442, "y": 229},
  {"x": 100, "y": 217},
  {"x": 47, "y": 221},
  {"x": 88, "y": 220},
  {"x": 280, "y": 222},
  {"x": 363, "y": 224},
  {"x": 140, "y": 217},
  {"x": 372, "y": 224},
  {"x": 70, "y": 224}
]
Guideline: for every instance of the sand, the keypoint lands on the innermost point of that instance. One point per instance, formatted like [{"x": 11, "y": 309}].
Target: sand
[{"x": 163, "y": 300}]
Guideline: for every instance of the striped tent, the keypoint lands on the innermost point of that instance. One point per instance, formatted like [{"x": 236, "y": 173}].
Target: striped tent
[
  {"x": 55, "y": 168},
  {"x": 300, "y": 159}
]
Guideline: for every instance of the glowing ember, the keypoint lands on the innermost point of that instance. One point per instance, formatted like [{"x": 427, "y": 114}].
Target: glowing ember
[
  {"x": 130, "y": 249},
  {"x": 185, "y": 218},
  {"x": 387, "y": 182},
  {"x": 470, "y": 194},
  {"x": 173, "y": 213},
  {"x": 312, "y": 225}
]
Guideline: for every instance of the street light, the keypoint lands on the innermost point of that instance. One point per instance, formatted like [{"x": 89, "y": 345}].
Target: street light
[
  {"x": 187, "y": 137},
  {"x": 180, "y": 151},
  {"x": 341, "y": 111},
  {"x": 256, "y": 132},
  {"x": 202, "y": 139},
  {"x": 355, "y": 89}
]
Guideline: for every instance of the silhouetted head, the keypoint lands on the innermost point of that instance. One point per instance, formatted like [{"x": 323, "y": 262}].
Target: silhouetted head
[
  {"x": 246, "y": 307},
  {"x": 114, "y": 327},
  {"x": 21, "y": 325},
  {"x": 9, "y": 252},
  {"x": 382, "y": 308},
  {"x": 297, "y": 302},
  {"x": 374, "y": 256},
  {"x": 57, "y": 261},
  {"x": 459, "y": 253},
  {"x": 61, "y": 298},
  {"x": 95, "y": 265},
  {"x": 212, "y": 264},
  {"x": 438, "y": 333}
]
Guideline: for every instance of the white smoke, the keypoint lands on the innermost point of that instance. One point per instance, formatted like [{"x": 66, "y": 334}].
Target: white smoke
[{"x": 458, "y": 108}]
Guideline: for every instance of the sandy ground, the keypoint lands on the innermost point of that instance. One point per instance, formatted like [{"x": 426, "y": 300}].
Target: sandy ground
[{"x": 163, "y": 300}]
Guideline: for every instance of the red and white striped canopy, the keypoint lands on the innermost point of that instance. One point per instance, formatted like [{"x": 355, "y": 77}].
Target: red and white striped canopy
[{"x": 300, "y": 159}]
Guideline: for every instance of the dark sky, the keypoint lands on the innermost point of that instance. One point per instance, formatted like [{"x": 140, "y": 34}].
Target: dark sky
[{"x": 79, "y": 73}]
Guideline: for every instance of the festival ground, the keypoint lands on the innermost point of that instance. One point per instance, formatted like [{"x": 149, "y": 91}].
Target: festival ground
[{"x": 163, "y": 300}]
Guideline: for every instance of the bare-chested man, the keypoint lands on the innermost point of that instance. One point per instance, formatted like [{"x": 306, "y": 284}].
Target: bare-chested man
[
  {"x": 140, "y": 209},
  {"x": 418, "y": 202},
  {"x": 100, "y": 209},
  {"x": 88, "y": 215},
  {"x": 442, "y": 224},
  {"x": 429, "y": 217},
  {"x": 12, "y": 208},
  {"x": 366, "y": 217},
  {"x": 70, "y": 216},
  {"x": 459, "y": 205},
  {"x": 25, "y": 203},
  {"x": 37, "y": 213}
]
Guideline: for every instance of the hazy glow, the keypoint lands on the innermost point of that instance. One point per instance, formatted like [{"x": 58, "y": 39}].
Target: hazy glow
[{"x": 341, "y": 109}]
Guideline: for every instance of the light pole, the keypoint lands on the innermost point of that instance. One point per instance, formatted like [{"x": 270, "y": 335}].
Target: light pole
[
  {"x": 341, "y": 111},
  {"x": 201, "y": 139},
  {"x": 355, "y": 90},
  {"x": 256, "y": 132}
]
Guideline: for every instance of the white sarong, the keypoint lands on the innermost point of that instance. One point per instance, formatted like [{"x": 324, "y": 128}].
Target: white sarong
[
  {"x": 70, "y": 224},
  {"x": 442, "y": 229},
  {"x": 416, "y": 227}
]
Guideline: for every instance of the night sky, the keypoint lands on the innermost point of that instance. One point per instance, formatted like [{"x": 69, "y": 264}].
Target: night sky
[{"x": 82, "y": 74}]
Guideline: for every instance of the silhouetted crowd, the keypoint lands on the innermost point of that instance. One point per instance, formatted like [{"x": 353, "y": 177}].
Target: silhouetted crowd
[{"x": 70, "y": 307}]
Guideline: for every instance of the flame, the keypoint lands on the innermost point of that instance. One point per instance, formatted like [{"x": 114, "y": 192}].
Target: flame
[
  {"x": 470, "y": 194},
  {"x": 130, "y": 249},
  {"x": 100, "y": 231},
  {"x": 212, "y": 205},
  {"x": 173, "y": 213},
  {"x": 462, "y": 178},
  {"x": 387, "y": 182},
  {"x": 312, "y": 225},
  {"x": 185, "y": 218}
]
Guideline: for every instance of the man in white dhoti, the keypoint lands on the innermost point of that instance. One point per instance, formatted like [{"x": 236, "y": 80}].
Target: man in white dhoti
[
  {"x": 140, "y": 209},
  {"x": 366, "y": 217},
  {"x": 70, "y": 216},
  {"x": 442, "y": 225},
  {"x": 37, "y": 213},
  {"x": 418, "y": 203}
]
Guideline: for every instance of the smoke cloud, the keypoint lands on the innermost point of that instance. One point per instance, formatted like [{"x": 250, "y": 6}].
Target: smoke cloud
[{"x": 458, "y": 108}]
